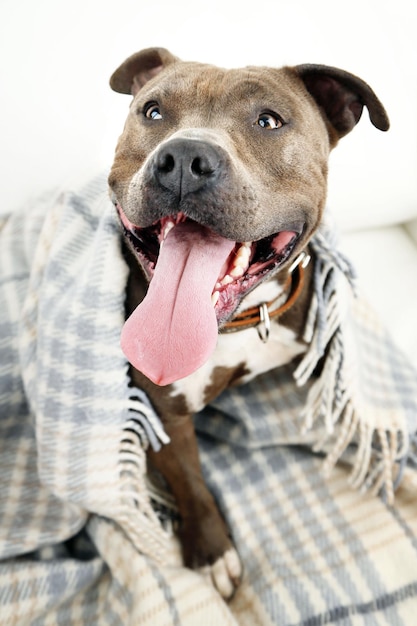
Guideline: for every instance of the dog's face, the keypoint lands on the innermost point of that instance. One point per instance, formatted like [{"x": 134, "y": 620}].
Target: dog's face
[
  {"x": 264, "y": 142},
  {"x": 234, "y": 159}
]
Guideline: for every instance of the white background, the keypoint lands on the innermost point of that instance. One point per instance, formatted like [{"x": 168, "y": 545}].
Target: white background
[{"x": 59, "y": 119}]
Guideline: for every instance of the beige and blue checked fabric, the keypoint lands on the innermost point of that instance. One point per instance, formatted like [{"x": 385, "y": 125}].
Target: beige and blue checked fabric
[{"x": 314, "y": 470}]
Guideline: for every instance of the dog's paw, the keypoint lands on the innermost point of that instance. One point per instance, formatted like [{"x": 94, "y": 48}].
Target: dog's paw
[{"x": 225, "y": 574}]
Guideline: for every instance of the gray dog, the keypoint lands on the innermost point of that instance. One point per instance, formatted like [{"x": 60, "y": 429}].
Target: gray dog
[{"x": 219, "y": 180}]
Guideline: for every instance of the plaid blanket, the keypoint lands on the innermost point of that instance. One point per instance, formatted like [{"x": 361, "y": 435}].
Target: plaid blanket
[{"x": 82, "y": 541}]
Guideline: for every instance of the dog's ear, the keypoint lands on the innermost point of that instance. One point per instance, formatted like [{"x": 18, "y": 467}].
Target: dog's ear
[
  {"x": 135, "y": 72},
  {"x": 341, "y": 96}
]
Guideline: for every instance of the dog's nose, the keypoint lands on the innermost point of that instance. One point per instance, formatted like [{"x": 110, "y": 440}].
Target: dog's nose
[{"x": 185, "y": 166}]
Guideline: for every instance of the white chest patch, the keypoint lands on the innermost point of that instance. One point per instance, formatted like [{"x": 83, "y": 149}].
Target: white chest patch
[{"x": 240, "y": 347}]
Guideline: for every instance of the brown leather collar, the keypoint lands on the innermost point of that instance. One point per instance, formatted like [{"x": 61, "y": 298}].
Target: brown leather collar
[{"x": 259, "y": 316}]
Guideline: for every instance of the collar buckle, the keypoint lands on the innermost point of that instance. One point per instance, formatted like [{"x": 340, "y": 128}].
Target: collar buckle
[{"x": 264, "y": 325}]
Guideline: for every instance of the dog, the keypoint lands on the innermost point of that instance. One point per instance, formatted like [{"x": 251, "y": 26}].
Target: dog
[{"x": 219, "y": 180}]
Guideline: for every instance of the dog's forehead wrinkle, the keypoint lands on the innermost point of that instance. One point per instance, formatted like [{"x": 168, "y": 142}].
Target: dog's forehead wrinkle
[{"x": 211, "y": 89}]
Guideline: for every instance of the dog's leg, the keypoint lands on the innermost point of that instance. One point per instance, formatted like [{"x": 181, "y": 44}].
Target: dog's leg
[{"x": 204, "y": 536}]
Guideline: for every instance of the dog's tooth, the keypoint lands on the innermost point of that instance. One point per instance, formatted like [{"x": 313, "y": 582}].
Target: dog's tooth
[
  {"x": 215, "y": 297},
  {"x": 239, "y": 254},
  {"x": 242, "y": 259},
  {"x": 237, "y": 271},
  {"x": 226, "y": 280},
  {"x": 244, "y": 250},
  {"x": 168, "y": 226}
]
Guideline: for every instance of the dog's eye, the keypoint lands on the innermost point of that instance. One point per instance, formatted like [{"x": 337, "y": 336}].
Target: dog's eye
[
  {"x": 151, "y": 111},
  {"x": 270, "y": 121}
]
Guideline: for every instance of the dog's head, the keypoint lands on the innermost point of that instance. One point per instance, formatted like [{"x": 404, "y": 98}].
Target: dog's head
[{"x": 226, "y": 170}]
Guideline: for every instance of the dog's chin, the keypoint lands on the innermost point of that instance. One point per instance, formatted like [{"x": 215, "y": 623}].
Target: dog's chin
[{"x": 249, "y": 263}]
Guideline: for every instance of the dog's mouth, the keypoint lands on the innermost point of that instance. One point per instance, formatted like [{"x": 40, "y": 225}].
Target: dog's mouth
[
  {"x": 248, "y": 264},
  {"x": 197, "y": 280}
]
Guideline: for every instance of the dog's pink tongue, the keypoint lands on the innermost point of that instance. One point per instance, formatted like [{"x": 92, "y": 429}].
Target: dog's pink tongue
[{"x": 174, "y": 329}]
